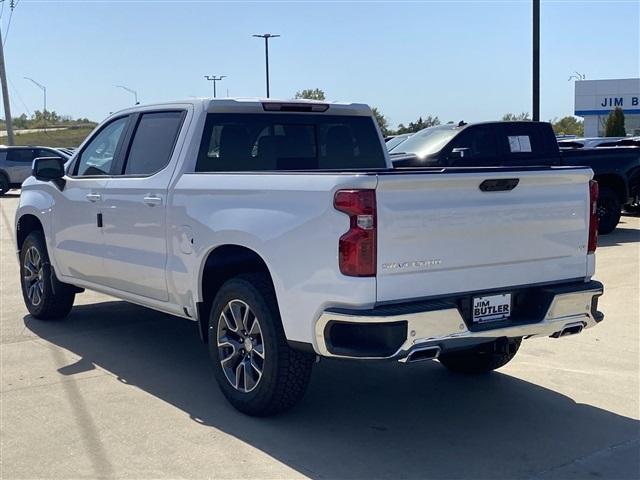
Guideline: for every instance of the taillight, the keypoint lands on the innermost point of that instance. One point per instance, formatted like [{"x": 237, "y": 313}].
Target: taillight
[
  {"x": 357, "y": 247},
  {"x": 593, "y": 216}
]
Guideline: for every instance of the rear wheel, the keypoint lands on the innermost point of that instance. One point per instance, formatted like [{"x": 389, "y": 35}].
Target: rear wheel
[
  {"x": 44, "y": 295},
  {"x": 4, "y": 185},
  {"x": 254, "y": 366},
  {"x": 609, "y": 210},
  {"x": 483, "y": 358}
]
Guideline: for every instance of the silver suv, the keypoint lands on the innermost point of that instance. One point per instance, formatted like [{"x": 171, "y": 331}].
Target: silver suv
[{"x": 15, "y": 164}]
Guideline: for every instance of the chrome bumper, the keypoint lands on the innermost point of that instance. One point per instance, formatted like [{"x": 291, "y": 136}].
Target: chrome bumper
[{"x": 446, "y": 327}]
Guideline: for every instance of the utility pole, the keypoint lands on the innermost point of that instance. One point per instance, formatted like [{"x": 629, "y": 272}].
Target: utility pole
[
  {"x": 135, "y": 94},
  {"x": 536, "y": 60},
  {"x": 5, "y": 94},
  {"x": 266, "y": 37},
  {"x": 214, "y": 79},
  {"x": 44, "y": 90}
]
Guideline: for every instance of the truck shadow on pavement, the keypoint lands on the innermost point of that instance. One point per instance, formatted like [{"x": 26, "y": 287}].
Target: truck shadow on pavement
[
  {"x": 377, "y": 420},
  {"x": 619, "y": 236}
]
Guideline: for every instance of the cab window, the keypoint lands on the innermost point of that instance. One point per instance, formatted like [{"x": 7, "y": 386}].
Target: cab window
[
  {"x": 479, "y": 143},
  {"x": 97, "y": 157},
  {"x": 22, "y": 155},
  {"x": 153, "y": 142}
]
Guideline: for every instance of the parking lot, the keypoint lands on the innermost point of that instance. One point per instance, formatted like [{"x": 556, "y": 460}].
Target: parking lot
[{"x": 117, "y": 390}]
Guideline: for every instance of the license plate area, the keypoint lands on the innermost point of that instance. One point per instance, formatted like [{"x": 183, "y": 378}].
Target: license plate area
[{"x": 491, "y": 308}]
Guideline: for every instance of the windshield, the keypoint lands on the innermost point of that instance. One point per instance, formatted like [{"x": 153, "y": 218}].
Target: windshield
[
  {"x": 427, "y": 141},
  {"x": 395, "y": 141}
]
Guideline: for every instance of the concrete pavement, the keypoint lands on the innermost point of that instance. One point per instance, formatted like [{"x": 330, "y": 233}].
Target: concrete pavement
[{"x": 118, "y": 391}]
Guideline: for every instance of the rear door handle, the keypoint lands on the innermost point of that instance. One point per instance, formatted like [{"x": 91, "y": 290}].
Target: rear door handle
[
  {"x": 152, "y": 200},
  {"x": 93, "y": 197}
]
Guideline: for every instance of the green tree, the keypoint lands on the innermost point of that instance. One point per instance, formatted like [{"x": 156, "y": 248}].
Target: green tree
[
  {"x": 21, "y": 122},
  {"x": 615, "y": 124},
  {"x": 309, "y": 94},
  {"x": 568, "y": 126},
  {"x": 383, "y": 123},
  {"x": 418, "y": 125},
  {"x": 514, "y": 117}
]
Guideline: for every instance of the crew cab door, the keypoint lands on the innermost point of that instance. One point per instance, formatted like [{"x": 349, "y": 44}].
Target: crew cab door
[
  {"x": 78, "y": 239},
  {"x": 134, "y": 220}
]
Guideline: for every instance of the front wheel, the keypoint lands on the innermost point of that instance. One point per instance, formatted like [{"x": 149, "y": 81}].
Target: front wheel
[
  {"x": 46, "y": 298},
  {"x": 254, "y": 366},
  {"x": 483, "y": 358}
]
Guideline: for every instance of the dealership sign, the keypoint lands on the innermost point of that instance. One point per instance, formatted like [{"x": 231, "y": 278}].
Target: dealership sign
[
  {"x": 609, "y": 102},
  {"x": 598, "y": 97}
]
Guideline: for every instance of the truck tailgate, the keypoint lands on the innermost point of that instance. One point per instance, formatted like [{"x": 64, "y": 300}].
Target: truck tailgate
[{"x": 438, "y": 233}]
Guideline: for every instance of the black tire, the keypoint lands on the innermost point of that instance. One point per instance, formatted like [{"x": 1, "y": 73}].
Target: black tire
[
  {"x": 482, "y": 359},
  {"x": 285, "y": 372},
  {"x": 4, "y": 184},
  {"x": 44, "y": 295},
  {"x": 609, "y": 210}
]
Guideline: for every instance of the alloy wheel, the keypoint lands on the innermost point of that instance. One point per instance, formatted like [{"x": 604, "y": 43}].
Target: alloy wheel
[
  {"x": 33, "y": 276},
  {"x": 240, "y": 346}
]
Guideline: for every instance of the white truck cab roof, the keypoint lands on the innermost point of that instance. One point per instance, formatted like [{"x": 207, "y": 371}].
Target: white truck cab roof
[{"x": 257, "y": 105}]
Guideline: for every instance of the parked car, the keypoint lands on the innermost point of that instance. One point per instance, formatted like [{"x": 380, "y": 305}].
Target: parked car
[
  {"x": 616, "y": 169},
  {"x": 590, "y": 142},
  {"x": 66, "y": 150},
  {"x": 15, "y": 164},
  {"x": 283, "y": 231},
  {"x": 395, "y": 140}
]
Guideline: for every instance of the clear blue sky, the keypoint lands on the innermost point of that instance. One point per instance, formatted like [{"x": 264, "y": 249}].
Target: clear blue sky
[{"x": 466, "y": 60}]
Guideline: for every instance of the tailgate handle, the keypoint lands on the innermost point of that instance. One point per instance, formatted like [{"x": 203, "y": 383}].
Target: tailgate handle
[{"x": 499, "y": 184}]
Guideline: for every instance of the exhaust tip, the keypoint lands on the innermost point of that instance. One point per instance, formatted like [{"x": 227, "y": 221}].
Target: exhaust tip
[
  {"x": 572, "y": 329},
  {"x": 421, "y": 354}
]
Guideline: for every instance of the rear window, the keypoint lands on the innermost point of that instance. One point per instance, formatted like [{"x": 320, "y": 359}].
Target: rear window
[
  {"x": 525, "y": 140},
  {"x": 20, "y": 155},
  {"x": 271, "y": 142}
]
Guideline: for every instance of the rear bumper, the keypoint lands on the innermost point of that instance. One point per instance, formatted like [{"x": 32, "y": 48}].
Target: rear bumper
[{"x": 397, "y": 331}]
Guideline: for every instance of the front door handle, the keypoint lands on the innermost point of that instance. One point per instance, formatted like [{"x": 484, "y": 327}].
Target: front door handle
[
  {"x": 93, "y": 197},
  {"x": 152, "y": 200}
]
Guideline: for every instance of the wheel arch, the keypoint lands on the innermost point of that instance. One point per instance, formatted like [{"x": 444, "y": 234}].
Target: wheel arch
[
  {"x": 222, "y": 263},
  {"x": 26, "y": 224},
  {"x": 616, "y": 183}
]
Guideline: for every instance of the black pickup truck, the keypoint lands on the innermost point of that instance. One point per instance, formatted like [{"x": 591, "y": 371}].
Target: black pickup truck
[{"x": 617, "y": 169}]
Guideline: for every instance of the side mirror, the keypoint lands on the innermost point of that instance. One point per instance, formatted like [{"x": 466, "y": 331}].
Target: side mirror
[
  {"x": 49, "y": 169},
  {"x": 458, "y": 153}
]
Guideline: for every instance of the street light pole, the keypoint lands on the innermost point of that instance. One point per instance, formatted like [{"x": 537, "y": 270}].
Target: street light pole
[
  {"x": 44, "y": 91},
  {"x": 135, "y": 94},
  {"x": 536, "y": 60},
  {"x": 214, "y": 79},
  {"x": 266, "y": 37}
]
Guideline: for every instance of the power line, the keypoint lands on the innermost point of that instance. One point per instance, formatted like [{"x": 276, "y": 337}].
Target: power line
[
  {"x": 12, "y": 5},
  {"x": 15, "y": 90}
]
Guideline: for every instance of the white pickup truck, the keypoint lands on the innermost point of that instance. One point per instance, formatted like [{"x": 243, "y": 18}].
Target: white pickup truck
[{"x": 282, "y": 229}]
